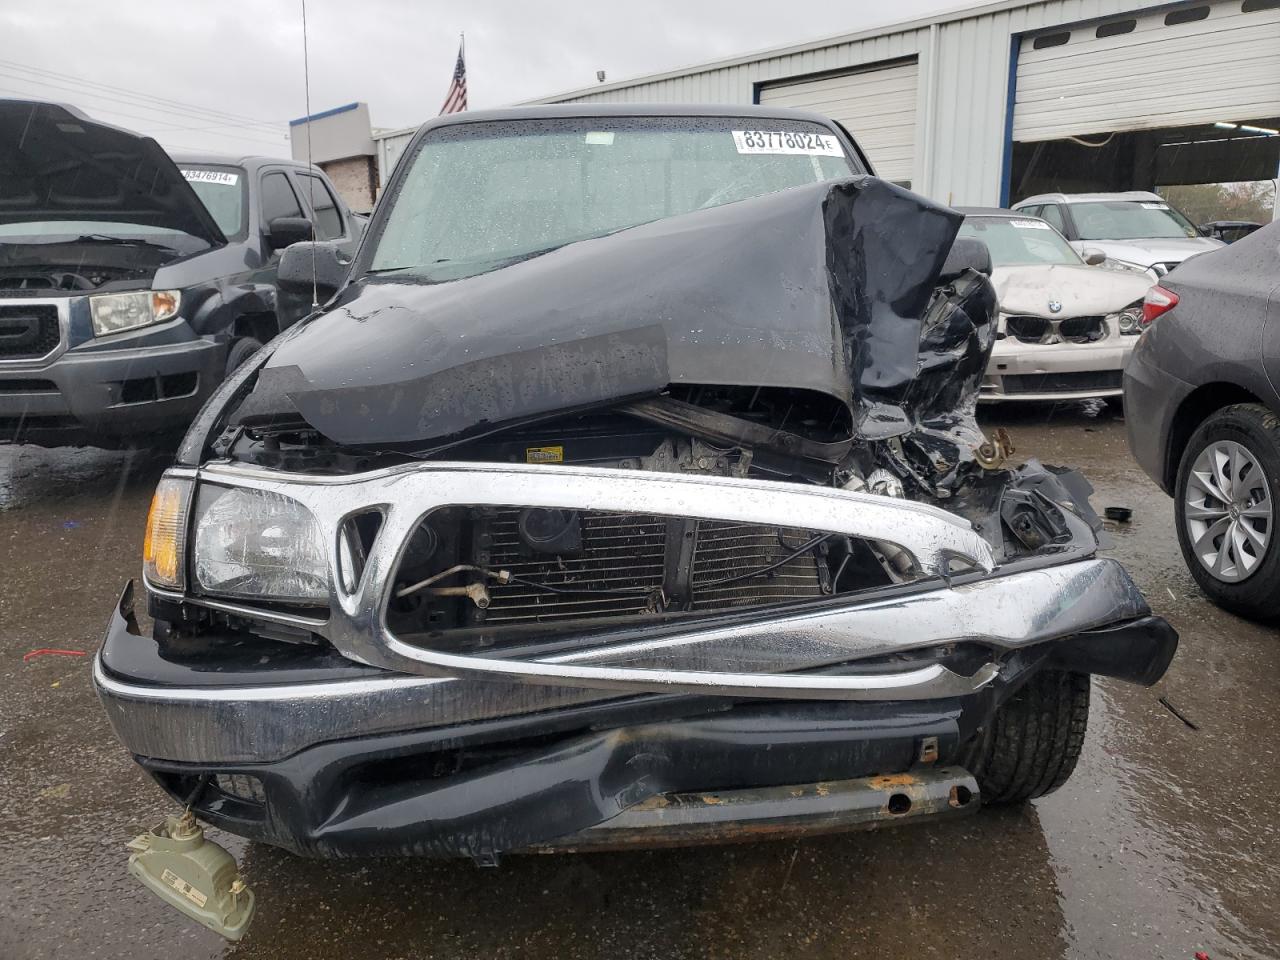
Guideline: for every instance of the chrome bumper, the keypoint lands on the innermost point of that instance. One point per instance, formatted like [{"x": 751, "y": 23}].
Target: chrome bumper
[
  {"x": 227, "y": 725},
  {"x": 709, "y": 662}
]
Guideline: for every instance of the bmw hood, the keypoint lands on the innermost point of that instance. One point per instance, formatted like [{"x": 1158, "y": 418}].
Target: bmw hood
[
  {"x": 57, "y": 164},
  {"x": 1147, "y": 252},
  {"x": 1080, "y": 291}
]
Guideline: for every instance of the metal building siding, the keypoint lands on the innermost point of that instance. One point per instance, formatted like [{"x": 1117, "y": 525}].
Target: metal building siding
[
  {"x": 969, "y": 84},
  {"x": 1155, "y": 76},
  {"x": 878, "y": 104}
]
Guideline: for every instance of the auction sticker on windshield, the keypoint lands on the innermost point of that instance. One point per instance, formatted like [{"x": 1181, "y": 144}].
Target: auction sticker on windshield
[
  {"x": 1030, "y": 224},
  {"x": 787, "y": 141},
  {"x": 212, "y": 176}
]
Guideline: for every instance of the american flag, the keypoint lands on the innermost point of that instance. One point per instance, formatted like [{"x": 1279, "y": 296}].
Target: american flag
[{"x": 456, "y": 99}]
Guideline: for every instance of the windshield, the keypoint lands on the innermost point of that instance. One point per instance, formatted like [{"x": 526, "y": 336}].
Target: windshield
[
  {"x": 1019, "y": 242},
  {"x": 1130, "y": 220},
  {"x": 477, "y": 196},
  {"x": 221, "y": 190}
]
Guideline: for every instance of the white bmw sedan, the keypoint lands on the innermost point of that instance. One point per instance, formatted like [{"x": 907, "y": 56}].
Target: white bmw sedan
[{"x": 1066, "y": 327}]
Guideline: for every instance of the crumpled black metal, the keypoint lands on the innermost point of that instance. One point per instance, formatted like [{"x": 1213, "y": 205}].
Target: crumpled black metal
[{"x": 822, "y": 288}]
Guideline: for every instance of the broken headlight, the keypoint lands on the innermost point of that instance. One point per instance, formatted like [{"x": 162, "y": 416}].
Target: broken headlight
[
  {"x": 117, "y": 312},
  {"x": 258, "y": 545}
]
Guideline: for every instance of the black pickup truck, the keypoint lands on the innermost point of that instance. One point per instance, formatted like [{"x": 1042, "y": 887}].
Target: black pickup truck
[
  {"x": 131, "y": 284},
  {"x": 626, "y": 490}
]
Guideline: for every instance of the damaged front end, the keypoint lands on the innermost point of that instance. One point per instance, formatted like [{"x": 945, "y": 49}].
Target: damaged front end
[{"x": 685, "y": 532}]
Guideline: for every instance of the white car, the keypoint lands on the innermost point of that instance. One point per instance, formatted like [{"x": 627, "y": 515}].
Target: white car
[
  {"x": 1136, "y": 231},
  {"x": 1066, "y": 328}
]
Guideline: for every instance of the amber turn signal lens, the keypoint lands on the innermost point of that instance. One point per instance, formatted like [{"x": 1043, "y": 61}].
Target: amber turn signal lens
[
  {"x": 165, "y": 541},
  {"x": 164, "y": 304}
]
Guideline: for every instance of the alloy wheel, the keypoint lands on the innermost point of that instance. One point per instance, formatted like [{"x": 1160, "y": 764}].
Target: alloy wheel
[{"x": 1227, "y": 510}]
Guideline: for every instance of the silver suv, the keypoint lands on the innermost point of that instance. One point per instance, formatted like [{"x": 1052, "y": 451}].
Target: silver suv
[{"x": 1136, "y": 230}]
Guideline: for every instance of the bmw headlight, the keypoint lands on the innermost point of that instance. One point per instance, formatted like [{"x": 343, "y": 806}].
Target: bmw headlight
[
  {"x": 1124, "y": 266},
  {"x": 117, "y": 312},
  {"x": 1129, "y": 320},
  {"x": 258, "y": 545}
]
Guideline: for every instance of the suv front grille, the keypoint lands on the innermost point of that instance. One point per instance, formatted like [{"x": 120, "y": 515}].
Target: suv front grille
[{"x": 28, "y": 331}]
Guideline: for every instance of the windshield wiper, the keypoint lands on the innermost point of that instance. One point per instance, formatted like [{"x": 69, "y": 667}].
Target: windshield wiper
[
  {"x": 492, "y": 263},
  {"x": 122, "y": 241}
]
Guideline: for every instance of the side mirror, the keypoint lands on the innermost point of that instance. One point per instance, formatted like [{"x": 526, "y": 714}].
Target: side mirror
[
  {"x": 286, "y": 231},
  {"x": 307, "y": 262},
  {"x": 1093, "y": 256},
  {"x": 967, "y": 253}
]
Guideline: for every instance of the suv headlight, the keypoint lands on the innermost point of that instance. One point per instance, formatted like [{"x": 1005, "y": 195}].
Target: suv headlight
[
  {"x": 117, "y": 312},
  {"x": 258, "y": 545}
]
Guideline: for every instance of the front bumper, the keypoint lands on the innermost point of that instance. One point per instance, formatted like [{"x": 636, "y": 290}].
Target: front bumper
[
  {"x": 133, "y": 385},
  {"x": 1057, "y": 371},
  {"x": 349, "y": 760},
  {"x": 375, "y": 742}
]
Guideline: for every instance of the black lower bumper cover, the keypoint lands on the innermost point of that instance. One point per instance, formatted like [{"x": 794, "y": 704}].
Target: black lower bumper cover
[{"x": 634, "y": 771}]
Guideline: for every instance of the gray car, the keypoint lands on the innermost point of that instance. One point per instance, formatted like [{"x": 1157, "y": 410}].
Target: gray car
[
  {"x": 1134, "y": 231},
  {"x": 1200, "y": 391},
  {"x": 131, "y": 285}
]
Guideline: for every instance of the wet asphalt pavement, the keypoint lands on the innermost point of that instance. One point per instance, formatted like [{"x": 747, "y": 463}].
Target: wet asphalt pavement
[{"x": 1164, "y": 843}]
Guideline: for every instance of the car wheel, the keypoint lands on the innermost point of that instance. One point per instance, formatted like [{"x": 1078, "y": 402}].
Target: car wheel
[
  {"x": 1031, "y": 745},
  {"x": 241, "y": 350},
  {"x": 1226, "y": 499}
]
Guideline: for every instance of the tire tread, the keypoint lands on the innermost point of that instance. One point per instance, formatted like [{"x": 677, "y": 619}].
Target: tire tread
[{"x": 1035, "y": 739}]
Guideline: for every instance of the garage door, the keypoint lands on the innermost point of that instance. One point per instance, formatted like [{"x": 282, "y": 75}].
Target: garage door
[
  {"x": 1184, "y": 66},
  {"x": 878, "y": 106}
]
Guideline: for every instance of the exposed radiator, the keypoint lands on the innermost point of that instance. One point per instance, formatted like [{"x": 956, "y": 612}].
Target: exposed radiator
[
  {"x": 625, "y": 560},
  {"x": 619, "y": 552},
  {"x": 726, "y": 550}
]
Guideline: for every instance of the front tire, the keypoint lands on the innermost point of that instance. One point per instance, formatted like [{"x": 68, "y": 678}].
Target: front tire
[
  {"x": 1226, "y": 500},
  {"x": 240, "y": 350},
  {"x": 1033, "y": 742}
]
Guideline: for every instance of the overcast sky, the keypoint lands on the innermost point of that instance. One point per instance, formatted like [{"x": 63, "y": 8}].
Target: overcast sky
[{"x": 227, "y": 75}]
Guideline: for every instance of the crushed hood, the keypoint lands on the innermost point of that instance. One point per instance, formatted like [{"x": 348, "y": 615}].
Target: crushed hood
[
  {"x": 57, "y": 164},
  {"x": 820, "y": 288},
  {"x": 1083, "y": 291}
]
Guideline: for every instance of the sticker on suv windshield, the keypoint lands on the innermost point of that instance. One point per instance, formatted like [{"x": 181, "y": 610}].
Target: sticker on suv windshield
[
  {"x": 1030, "y": 224},
  {"x": 1155, "y": 206},
  {"x": 787, "y": 141},
  {"x": 212, "y": 176}
]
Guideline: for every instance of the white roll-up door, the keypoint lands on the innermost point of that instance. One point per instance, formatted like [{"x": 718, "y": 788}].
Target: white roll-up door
[
  {"x": 1181, "y": 66},
  {"x": 876, "y": 105}
]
